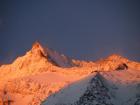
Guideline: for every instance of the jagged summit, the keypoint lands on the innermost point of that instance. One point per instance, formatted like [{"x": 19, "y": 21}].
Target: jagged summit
[
  {"x": 115, "y": 57},
  {"x": 36, "y": 45},
  {"x": 37, "y": 49},
  {"x": 39, "y": 55},
  {"x": 113, "y": 62}
]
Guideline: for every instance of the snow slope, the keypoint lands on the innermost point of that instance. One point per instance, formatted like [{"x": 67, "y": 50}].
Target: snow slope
[
  {"x": 59, "y": 59},
  {"x": 88, "y": 91},
  {"x": 105, "y": 88},
  {"x": 69, "y": 94},
  {"x": 35, "y": 88},
  {"x": 123, "y": 85}
]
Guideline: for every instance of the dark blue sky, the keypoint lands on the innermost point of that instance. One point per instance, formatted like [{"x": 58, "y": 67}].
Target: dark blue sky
[{"x": 81, "y": 29}]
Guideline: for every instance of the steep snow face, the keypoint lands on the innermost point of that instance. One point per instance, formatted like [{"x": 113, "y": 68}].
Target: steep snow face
[
  {"x": 69, "y": 94},
  {"x": 95, "y": 94},
  {"x": 59, "y": 59},
  {"x": 89, "y": 91},
  {"x": 105, "y": 88}
]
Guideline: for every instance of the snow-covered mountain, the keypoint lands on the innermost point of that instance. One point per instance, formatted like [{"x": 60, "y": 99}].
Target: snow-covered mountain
[
  {"x": 114, "y": 61},
  {"x": 46, "y": 55},
  {"x": 44, "y": 76},
  {"x": 51, "y": 55}
]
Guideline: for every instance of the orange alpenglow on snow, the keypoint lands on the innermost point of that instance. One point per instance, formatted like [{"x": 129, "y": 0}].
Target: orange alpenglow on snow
[
  {"x": 45, "y": 76},
  {"x": 37, "y": 49}
]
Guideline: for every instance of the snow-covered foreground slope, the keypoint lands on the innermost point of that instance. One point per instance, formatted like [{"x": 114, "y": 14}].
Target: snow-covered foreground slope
[
  {"x": 124, "y": 86},
  {"x": 31, "y": 90},
  {"x": 45, "y": 76},
  {"x": 105, "y": 88},
  {"x": 70, "y": 93}
]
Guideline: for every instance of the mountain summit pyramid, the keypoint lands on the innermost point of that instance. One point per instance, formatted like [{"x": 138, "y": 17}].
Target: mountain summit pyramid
[
  {"x": 37, "y": 49},
  {"x": 42, "y": 56}
]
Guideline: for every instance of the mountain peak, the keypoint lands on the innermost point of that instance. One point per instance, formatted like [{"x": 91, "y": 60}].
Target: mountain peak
[
  {"x": 51, "y": 55},
  {"x": 36, "y": 45},
  {"x": 37, "y": 49},
  {"x": 115, "y": 57}
]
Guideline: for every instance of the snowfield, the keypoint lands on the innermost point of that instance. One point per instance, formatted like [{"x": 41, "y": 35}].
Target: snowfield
[
  {"x": 44, "y": 77},
  {"x": 105, "y": 88}
]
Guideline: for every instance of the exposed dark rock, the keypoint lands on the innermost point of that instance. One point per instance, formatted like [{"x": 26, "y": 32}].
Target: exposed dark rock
[
  {"x": 96, "y": 93},
  {"x": 122, "y": 66}
]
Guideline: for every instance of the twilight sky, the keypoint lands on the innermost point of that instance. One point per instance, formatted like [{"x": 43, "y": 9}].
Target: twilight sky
[{"x": 81, "y": 29}]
